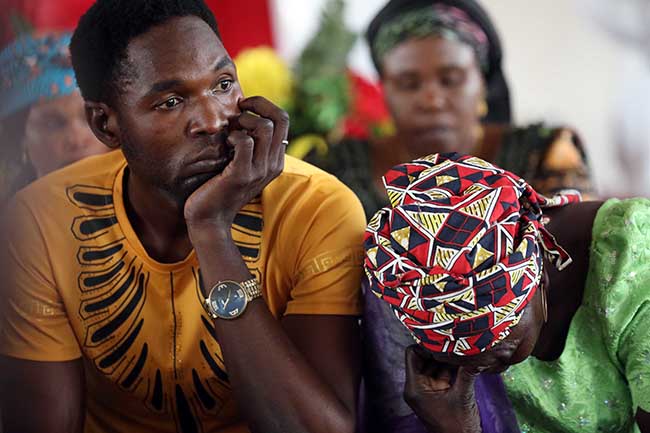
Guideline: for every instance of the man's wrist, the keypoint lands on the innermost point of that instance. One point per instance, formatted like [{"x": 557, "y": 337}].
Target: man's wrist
[{"x": 209, "y": 234}]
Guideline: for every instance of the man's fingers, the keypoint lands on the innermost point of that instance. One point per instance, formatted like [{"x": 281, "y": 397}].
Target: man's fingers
[
  {"x": 280, "y": 119},
  {"x": 244, "y": 146},
  {"x": 261, "y": 129},
  {"x": 265, "y": 108},
  {"x": 251, "y": 122}
]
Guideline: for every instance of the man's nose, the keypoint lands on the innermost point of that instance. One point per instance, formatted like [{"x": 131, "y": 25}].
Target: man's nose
[{"x": 209, "y": 117}]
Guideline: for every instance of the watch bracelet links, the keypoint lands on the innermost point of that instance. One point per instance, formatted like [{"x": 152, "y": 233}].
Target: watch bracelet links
[{"x": 252, "y": 289}]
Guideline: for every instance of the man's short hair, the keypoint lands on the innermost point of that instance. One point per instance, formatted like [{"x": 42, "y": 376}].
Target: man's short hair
[{"x": 99, "y": 43}]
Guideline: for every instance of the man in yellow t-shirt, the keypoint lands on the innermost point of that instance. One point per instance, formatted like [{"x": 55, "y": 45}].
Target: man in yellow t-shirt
[{"x": 105, "y": 325}]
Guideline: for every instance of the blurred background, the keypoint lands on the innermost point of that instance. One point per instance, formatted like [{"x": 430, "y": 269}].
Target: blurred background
[{"x": 583, "y": 64}]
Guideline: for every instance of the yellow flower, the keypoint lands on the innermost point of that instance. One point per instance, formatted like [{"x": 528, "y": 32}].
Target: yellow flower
[
  {"x": 262, "y": 72},
  {"x": 301, "y": 146}
]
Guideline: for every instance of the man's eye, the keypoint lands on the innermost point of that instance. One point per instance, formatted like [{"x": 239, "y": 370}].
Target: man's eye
[
  {"x": 224, "y": 85},
  {"x": 171, "y": 103}
]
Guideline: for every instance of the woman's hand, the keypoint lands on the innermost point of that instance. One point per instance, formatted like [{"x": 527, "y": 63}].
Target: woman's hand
[{"x": 442, "y": 396}]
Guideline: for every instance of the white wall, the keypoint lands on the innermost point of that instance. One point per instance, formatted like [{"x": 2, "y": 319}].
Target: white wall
[
  {"x": 297, "y": 20},
  {"x": 561, "y": 68}
]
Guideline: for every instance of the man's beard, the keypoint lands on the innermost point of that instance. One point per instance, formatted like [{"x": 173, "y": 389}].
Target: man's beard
[{"x": 178, "y": 189}]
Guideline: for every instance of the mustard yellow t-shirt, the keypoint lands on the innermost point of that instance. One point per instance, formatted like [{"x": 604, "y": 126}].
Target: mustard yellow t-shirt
[{"x": 82, "y": 285}]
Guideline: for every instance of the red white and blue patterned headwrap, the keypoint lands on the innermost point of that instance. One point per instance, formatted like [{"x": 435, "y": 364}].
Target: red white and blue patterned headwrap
[{"x": 459, "y": 253}]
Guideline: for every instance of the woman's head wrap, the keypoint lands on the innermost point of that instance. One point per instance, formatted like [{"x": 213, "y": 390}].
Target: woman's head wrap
[
  {"x": 463, "y": 20},
  {"x": 34, "y": 69},
  {"x": 440, "y": 20},
  {"x": 459, "y": 253}
]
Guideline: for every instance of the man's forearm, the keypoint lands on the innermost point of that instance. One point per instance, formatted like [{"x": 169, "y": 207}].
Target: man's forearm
[{"x": 275, "y": 387}]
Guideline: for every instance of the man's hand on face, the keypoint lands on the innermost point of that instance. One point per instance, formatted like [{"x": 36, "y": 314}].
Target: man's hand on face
[
  {"x": 257, "y": 137},
  {"x": 441, "y": 395}
]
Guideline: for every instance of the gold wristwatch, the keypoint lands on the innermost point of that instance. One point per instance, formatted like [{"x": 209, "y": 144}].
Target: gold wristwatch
[{"x": 229, "y": 299}]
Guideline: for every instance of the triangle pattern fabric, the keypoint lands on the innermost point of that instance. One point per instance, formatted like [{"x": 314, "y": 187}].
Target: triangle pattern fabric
[
  {"x": 444, "y": 256},
  {"x": 458, "y": 255},
  {"x": 480, "y": 208},
  {"x": 481, "y": 256},
  {"x": 431, "y": 221},
  {"x": 402, "y": 236}
]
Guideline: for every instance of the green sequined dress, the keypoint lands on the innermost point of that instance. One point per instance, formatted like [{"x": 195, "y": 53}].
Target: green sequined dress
[{"x": 603, "y": 375}]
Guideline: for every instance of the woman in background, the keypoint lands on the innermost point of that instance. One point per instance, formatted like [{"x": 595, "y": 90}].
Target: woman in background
[
  {"x": 42, "y": 120},
  {"x": 440, "y": 67}
]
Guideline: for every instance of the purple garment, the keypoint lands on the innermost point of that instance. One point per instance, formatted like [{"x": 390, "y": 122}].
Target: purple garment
[
  {"x": 497, "y": 414},
  {"x": 385, "y": 340}
]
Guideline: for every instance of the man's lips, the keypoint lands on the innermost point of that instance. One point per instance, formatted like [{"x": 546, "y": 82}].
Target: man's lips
[
  {"x": 209, "y": 161},
  {"x": 207, "y": 166}
]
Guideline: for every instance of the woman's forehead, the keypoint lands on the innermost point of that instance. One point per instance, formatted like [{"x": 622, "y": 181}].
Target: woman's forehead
[{"x": 428, "y": 53}]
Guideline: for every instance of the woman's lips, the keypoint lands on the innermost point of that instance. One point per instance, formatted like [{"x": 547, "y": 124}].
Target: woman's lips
[{"x": 435, "y": 133}]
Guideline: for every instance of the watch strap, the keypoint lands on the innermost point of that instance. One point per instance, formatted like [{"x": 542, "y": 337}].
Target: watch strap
[{"x": 252, "y": 289}]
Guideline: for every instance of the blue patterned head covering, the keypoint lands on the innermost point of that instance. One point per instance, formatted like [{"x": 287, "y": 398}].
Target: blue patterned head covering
[{"x": 34, "y": 69}]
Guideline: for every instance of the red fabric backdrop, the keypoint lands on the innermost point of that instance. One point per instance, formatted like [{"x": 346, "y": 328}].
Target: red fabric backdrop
[
  {"x": 240, "y": 26},
  {"x": 243, "y": 26}
]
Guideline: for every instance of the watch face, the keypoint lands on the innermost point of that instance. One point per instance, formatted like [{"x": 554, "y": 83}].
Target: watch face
[{"x": 227, "y": 300}]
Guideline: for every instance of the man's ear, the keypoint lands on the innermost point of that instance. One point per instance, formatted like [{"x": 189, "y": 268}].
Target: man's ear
[{"x": 103, "y": 122}]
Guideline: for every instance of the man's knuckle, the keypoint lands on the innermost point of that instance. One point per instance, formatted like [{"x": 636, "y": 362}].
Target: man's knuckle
[
  {"x": 266, "y": 124},
  {"x": 283, "y": 118},
  {"x": 251, "y": 176},
  {"x": 256, "y": 175}
]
